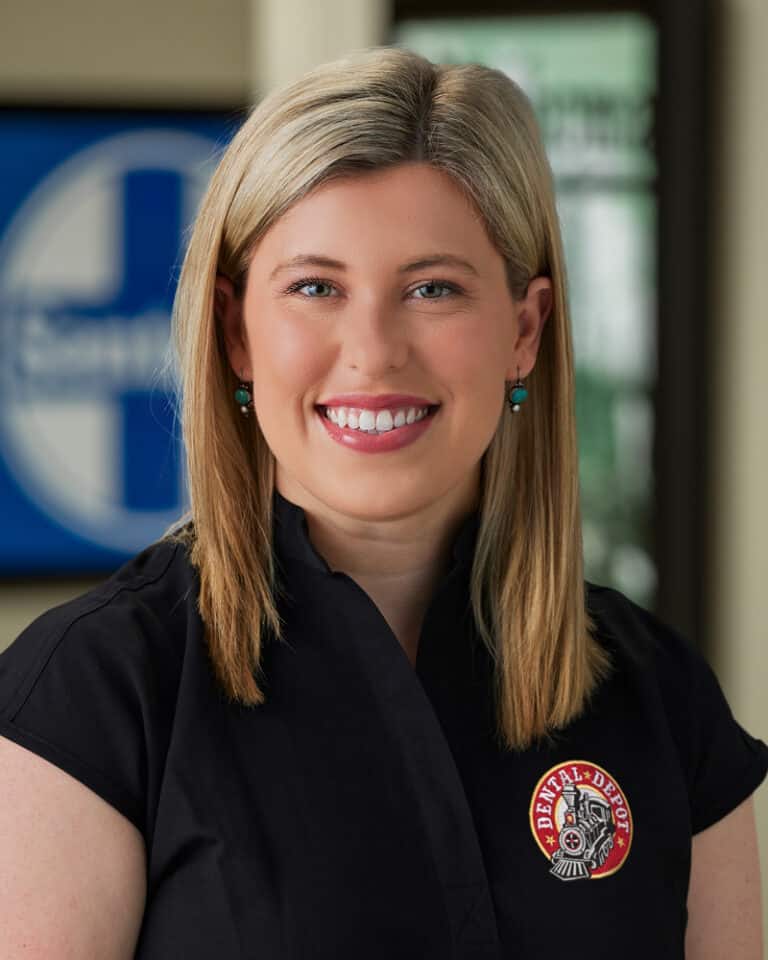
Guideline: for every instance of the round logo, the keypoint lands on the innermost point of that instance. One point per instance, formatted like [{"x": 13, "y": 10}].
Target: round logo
[
  {"x": 87, "y": 426},
  {"x": 581, "y": 821}
]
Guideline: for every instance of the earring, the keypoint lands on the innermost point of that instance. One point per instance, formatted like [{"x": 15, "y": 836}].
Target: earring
[
  {"x": 243, "y": 396},
  {"x": 517, "y": 394}
]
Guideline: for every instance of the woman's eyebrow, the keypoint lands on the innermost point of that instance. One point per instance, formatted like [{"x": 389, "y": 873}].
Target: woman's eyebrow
[{"x": 429, "y": 260}]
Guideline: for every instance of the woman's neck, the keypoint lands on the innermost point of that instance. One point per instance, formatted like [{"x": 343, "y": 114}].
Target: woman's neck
[{"x": 397, "y": 562}]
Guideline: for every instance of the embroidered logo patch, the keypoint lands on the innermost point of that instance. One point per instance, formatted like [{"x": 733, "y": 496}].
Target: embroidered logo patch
[{"x": 581, "y": 821}]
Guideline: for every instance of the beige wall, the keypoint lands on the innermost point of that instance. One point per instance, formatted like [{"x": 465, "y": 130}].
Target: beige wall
[
  {"x": 739, "y": 575},
  {"x": 185, "y": 52},
  {"x": 292, "y": 36},
  {"x": 203, "y": 53}
]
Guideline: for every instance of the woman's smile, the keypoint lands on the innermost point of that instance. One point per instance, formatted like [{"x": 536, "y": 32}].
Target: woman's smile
[{"x": 372, "y": 431}]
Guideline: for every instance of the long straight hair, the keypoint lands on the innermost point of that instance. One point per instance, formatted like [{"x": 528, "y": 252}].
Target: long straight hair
[{"x": 374, "y": 109}]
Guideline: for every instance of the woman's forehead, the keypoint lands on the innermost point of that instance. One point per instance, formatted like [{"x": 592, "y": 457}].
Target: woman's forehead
[{"x": 414, "y": 209}]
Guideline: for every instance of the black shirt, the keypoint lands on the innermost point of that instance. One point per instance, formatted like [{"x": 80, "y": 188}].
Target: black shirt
[{"x": 364, "y": 811}]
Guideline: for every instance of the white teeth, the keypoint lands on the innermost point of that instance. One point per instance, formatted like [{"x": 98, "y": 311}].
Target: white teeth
[
  {"x": 371, "y": 421},
  {"x": 366, "y": 420},
  {"x": 384, "y": 421}
]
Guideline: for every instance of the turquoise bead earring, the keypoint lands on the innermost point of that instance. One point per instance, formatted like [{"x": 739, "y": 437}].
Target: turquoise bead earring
[
  {"x": 517, "y": 394},
  {"x": 243, "y": 396}
]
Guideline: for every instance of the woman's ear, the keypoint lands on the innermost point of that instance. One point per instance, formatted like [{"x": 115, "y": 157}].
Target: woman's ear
[
  {"x": 228, "y": 311},
  {"x": 533, "y": 311}
]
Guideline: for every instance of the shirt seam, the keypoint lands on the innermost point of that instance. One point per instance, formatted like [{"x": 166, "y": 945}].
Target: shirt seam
[{"x": 52, "y": 642}]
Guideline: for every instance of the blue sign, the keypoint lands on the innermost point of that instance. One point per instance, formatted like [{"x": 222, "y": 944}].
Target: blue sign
[{"x": 94, "y": 210}]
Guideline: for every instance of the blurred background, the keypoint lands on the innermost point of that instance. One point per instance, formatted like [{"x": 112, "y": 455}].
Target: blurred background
[{"x": 112, "y": 117}]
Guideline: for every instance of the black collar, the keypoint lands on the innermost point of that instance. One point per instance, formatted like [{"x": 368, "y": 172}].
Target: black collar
[{"x": 291, "y": 535}]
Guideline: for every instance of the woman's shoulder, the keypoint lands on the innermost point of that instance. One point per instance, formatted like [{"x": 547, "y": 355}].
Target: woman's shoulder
[
  {"x": 659, "y": 662},
  {"x": 666, "y": 679},
  {"x": 155, "y": 575},
  {"x": 145, "y": 596},
  {"x": 91, "y": 683},
  {"x": 639, "y": 638}
]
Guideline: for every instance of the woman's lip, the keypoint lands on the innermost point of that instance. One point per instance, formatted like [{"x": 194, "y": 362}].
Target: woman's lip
[
  {"x": 364, "y": 442},
  {"x": 383, "y": 401}
]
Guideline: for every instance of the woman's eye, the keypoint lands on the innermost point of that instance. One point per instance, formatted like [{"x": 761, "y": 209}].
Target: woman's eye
[
  {"x": 310, "y": 282},
  {"x": 435, "y": 284}
]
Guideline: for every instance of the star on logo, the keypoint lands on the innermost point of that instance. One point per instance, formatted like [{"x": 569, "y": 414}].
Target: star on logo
[
  {"x": 551, "y": 840},
  {"x": 620, "y": 841},
  {"x": 587, "y": 775}
]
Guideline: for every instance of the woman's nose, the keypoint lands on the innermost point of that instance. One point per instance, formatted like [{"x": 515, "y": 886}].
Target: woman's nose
[{"x": 374, "y": 339}]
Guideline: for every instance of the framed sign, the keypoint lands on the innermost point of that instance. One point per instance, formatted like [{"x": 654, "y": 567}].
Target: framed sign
[{"x": 94, "y": 206}]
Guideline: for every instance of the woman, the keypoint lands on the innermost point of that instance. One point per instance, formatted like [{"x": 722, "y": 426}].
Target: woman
[{"x": 362, "y": 703}]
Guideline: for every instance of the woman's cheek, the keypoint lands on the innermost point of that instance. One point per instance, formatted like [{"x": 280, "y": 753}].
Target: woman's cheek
[
  {"x": 295, "y": 351},
  {"x": 465, "y": 359}
]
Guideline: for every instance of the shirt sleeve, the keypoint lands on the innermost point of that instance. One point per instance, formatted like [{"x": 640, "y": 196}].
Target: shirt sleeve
[
  {"x": 727, "y": 763},
  {"x": 723, "y": 763},
  {"x": 82, "y": 688}
]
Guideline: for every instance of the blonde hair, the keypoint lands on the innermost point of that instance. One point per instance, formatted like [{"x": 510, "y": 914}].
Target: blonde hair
[{"x": 373, "y": 109}]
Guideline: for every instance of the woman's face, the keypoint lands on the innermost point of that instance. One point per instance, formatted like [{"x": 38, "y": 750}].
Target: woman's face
[{"x": 389, "y": 317}]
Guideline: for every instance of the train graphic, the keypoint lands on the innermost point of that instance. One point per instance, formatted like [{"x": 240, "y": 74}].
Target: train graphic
[{"x": 586, "y": 837}]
